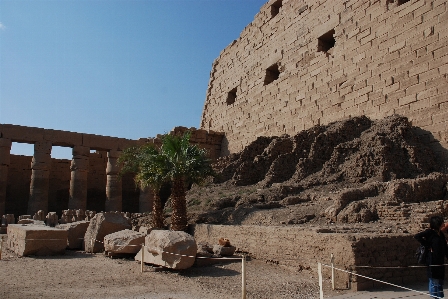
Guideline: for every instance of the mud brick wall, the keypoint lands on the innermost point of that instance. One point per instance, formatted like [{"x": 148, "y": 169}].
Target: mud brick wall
[
  {"x": 300, "y": 248},
  {"x": 306, "y": 63}
]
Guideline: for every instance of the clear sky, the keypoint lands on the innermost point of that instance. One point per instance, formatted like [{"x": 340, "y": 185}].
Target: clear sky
[{"x": 127, "y": 69}]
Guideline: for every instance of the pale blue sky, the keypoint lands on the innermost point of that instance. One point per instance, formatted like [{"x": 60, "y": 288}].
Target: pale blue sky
[{"x": 126, "y": 69}]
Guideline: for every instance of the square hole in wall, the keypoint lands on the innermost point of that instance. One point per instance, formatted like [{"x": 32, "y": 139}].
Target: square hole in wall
[
  {"x": 399, "y": 2},
  {"x": 272, "y": 74},
  {"x": 231, "y": 97},
  {"x": 326, "y": 41},
  {"x": 275, "y": 8},
  {"x": 395, "y": 3}
]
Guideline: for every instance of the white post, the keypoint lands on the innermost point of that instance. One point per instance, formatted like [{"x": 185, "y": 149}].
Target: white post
[
  {"x": 332, "y": 271},
  {"x": 143, "y": 258},
  {"x": 1, "y": 247},
  {"x": 319, "y": 270},
  {"x": 91, "y": 246},
  {"x": 243, "y": 277}
]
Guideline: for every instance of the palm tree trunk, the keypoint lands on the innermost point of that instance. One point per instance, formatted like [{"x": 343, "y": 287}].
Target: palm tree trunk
[
  {"x": 179, "y": 206},
  {"x": 157, "y": 211}
]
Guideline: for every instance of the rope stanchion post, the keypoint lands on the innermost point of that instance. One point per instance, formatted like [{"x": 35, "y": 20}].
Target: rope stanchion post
[
  {"x": 143, "y": 258},
  {"x": 91, "y": 246},
  {"x": 319, "y": 272},
  {"x": 332, "y": 271},
  {"x": 243, "y": 276},
  {"x": 1, "y": 247}
]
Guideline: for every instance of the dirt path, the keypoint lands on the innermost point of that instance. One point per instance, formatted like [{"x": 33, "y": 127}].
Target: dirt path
[{"x": 80, "y": 275}]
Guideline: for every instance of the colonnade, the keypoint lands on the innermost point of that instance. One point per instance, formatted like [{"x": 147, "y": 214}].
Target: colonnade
[{"x": 40, "y": 178}]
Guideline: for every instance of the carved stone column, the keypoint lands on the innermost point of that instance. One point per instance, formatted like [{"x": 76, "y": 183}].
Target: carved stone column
[
  {"x": 78, "y": 180},
  {"x": 145, "y": 200},
  {"x": 5, "y": 153},
  {"x": 114, "y": 183},
  {"x": 40, "y": 177}
]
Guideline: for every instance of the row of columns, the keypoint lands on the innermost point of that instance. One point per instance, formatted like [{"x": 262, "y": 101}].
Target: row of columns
[{"x": 40, "y": 178}]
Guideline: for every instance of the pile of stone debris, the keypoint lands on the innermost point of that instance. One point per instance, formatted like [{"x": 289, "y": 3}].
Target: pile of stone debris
[
  {"x": 350, "y": 171},
  {"x": 111, "y": 233}
]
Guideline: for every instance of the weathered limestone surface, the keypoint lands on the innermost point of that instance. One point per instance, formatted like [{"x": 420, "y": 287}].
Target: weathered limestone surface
[
  {"x": 125, "y": 241},
  {"x": 383, "y": 58},
  {"x": 31, "y": 239},
  {"x": 31, "y": 221},
  {"x": 75, "y": 233},
  {"x": 103, "y": 224},
  {"x": 303, "y": 247},
  {"x": 223, "y": 250},
  {"x": 171, "y": 249}
]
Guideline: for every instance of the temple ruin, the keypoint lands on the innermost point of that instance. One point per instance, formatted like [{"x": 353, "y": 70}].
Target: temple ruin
[
  {"x": 306, "y": 63},
  {"x": 90, "y": 181}
]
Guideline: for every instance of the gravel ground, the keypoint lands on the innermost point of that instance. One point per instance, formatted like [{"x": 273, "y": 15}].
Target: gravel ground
[{"x": 82, "y": 275}]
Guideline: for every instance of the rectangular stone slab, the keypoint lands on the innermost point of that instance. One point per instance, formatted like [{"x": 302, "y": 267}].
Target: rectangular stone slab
[{"x": 28, "y": 239}]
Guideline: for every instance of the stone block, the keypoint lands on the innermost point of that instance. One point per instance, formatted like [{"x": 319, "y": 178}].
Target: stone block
[
  {"x": 125, "y": 241},
  {"x": 103, "y": 224},
  {"x": 63, "y": 138},
  {"x": 52, "y": 219},
  {"x": 171, "y": 249},
  {"x": 22, "y": 134},
  {"x": 29, "y": 239},
  {"x": 224, "y": 250},
  {"x": 75, "y": 233},
  {"x": 31, "y": 221}
]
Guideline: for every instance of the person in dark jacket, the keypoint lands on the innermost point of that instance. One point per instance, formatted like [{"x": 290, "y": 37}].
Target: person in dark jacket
[{"x": 434, "y": 239}]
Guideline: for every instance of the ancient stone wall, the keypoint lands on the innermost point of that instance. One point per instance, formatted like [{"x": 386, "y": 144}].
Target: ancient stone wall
[
  {"x": 303, "y": 248},
  {"x": 304, "y": 63},
  {"x": 18, "y": 185},
  {"x": 89, "y": 181}
]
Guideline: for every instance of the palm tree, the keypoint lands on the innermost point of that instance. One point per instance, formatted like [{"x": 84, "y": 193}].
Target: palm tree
[
  {"x": 186, "y": 164},
  {"x": 150, "y": 169}
]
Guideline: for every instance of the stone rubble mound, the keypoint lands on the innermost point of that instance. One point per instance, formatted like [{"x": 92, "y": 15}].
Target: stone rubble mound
[
  {"x": 354, "y": 150},
  {"x": 355, "y": 170}
]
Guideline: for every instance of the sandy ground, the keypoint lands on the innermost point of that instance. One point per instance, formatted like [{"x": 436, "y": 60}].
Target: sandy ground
[{"x": 82, "y": 275}]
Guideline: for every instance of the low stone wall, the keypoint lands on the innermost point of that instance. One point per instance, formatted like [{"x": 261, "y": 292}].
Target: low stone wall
[{"x": 304, "y": 247}]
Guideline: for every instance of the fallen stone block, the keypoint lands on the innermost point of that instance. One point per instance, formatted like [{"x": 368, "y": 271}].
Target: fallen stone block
[
  {"x": 103, "y": 224},
  {"x": 223, "y": 250},
  {"x": 170, "y": 249},
  {"x": 52, "y": 219},
  {"x": 29, "y": 239},
  {"x": 144, "y": 229},
  {"x": 31, "y": 221},
  {"x": 39, "y": 215},
  {"x": 124, "y": 242},
  {"x": 76, "y": 232}
]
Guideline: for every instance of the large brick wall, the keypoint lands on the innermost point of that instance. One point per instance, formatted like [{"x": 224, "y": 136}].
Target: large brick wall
[
  {"x": 389, "y": 57},
  {"x": 383, "y": 257}
]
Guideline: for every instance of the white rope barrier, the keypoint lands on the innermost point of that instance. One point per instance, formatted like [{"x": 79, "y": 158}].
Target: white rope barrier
[
  {"x": 377, "y": 280},
  {"x": 243, "y": 266}
]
